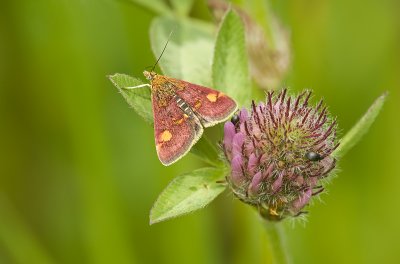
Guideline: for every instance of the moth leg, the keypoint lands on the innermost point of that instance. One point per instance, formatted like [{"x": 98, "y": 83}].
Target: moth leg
[{"x": 138, "y": 86}]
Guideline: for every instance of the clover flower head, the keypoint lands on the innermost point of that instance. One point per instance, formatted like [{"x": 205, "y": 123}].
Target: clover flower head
[{"x": 278, "y": 153}]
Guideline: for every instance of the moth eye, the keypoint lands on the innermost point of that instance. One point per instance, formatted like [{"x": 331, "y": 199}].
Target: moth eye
[
  {"x": 313, "y": 156},
  {"x": 235, "y": 119}
]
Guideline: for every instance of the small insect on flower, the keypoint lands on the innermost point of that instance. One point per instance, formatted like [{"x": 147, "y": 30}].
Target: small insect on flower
[
  {"x": 181, "y": 110},
  {"x": 235, "y": 119},
  {"x": 313, "y": 156}
]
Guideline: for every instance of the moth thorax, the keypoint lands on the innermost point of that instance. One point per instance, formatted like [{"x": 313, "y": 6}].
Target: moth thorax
[{"x": 163, "y": 91}]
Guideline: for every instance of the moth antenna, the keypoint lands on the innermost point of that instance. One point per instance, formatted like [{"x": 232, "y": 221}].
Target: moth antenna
[{"x": 165, "y": 46}]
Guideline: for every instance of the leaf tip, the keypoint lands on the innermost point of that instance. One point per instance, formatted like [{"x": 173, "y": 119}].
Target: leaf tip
[
  {"x": 384, "y": 95},
  {"x": 378, "y": 103},
  {"x": 109, "y": 76},
  {"x": 154, "y": 220}
]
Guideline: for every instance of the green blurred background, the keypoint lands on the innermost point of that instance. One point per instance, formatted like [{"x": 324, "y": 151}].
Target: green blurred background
[{"x": 78, "y": 167}]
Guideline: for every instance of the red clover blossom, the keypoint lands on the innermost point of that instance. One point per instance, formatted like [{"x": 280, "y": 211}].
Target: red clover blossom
[{"x": 279, "y": 152}]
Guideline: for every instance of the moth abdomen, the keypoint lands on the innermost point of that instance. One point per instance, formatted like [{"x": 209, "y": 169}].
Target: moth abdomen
[{"x": 184, "y": 106}]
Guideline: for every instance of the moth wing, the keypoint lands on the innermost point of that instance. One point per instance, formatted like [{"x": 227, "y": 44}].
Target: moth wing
[
  {"x": 175, "y": 132},
  {"x": 211, "y": 105}
]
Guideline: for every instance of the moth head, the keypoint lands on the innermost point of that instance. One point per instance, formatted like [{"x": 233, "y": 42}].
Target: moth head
[{"x": 149, "y": 75}]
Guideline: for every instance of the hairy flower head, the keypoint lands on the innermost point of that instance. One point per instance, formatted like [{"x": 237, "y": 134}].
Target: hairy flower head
[{"x": 278, "y": 152}]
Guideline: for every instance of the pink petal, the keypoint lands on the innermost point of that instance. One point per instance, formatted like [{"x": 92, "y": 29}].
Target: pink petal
[
  {"x": 254, "y": 186},
  {"x": 236, "y": 170}
]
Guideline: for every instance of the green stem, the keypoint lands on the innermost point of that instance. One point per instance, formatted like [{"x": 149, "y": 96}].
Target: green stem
[
  {"x": 207, "y": 152},
  {"x": 276, "y": 241}
]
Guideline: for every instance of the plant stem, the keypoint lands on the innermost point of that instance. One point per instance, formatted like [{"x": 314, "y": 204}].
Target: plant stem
[
  {"x": 206, "y": 151},
  {"x": 276, "y": 241}
]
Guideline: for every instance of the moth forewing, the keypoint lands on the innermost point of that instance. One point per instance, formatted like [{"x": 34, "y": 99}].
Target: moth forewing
[
  {"x": 175, "y": 130},
  {"x": 210, "y": 105}
]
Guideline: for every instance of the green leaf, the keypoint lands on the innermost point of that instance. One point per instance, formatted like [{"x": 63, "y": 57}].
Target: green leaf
[
  {"x": 187, "y": 193},
  {"x": 189, "y": 53},
  {"x": 138, "y": 98},
  {"x": 156, "y": 6},
  {"x": 230, "y": 67},
  {"x": 361, "y": 128},
  {"x": 182, "y": 7}
]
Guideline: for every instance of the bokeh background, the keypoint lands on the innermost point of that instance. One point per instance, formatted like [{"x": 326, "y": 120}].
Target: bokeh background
[{"x": 78, "y": 168}]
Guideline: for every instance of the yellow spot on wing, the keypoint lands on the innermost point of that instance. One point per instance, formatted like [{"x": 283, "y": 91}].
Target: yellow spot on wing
[
  {"x": 212, "y": 97},
  {"x": 221, "y": 94},
  {"x": 198, "y": 104},
  {"x": 166, "y": 136},
  {"x": 180, "y": 121}
]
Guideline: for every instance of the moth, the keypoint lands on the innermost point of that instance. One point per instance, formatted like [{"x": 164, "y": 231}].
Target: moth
[{"x": 181, "y": 111}]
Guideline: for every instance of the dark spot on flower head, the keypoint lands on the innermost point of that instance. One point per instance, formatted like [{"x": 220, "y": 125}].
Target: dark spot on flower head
[
  {"x": 313, "y": 156},
  {"x": 235, "y": 119}
]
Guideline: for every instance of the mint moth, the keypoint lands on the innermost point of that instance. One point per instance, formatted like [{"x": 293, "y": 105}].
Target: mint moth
[{"x": 181, "y": 111}]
